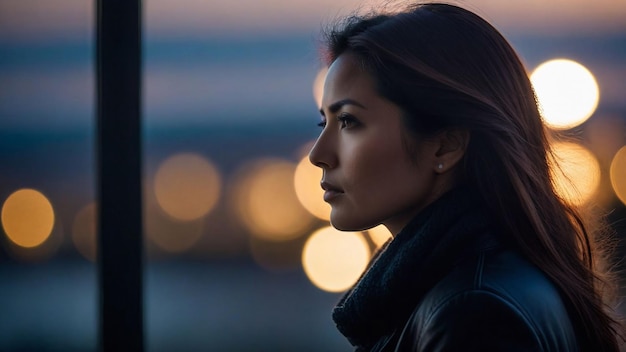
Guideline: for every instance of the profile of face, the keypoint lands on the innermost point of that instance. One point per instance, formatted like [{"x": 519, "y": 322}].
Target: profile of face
[{"x": 369, "y": 177}]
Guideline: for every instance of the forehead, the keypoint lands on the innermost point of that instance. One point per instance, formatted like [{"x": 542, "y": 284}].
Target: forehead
[{"x": 346, "y": 77}]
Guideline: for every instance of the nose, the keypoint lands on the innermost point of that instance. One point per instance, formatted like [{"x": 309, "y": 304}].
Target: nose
[{"x": 322, "y": 154}]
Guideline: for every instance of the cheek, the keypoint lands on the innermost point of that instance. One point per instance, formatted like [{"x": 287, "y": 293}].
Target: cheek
[
  {"x": 374, "y": 164},
  {"x": 361, "y": 159}
]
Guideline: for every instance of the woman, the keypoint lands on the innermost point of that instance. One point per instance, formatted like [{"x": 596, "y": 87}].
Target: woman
[{"x": 431, "y": 128}]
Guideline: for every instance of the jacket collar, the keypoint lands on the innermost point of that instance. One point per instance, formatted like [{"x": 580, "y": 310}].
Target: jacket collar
[{"x": 408, "y": 266}]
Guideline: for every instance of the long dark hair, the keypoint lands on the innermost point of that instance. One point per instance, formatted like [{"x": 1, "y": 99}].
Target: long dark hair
[{"x": 448, "y": 68}]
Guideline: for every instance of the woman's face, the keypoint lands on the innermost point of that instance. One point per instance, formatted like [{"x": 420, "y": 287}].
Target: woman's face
[{"x": 368, "y": 175}]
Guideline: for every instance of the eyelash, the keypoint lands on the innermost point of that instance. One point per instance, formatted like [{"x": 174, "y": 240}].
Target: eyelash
[{"x": 345, "y": 119}]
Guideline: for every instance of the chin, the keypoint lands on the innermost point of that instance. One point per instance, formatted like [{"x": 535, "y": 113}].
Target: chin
[{"x": 347, "y": 225}]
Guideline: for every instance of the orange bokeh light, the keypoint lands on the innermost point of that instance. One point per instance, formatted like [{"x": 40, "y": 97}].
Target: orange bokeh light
[
  {"x": 379, "y": 235},
  {"x": 576, "y": 173},
  {"x": 187, "y": 186},
  {"x": 265, "y": 200},
  {"x": 307, "y": 183},
  {"x": 618, "y": 174},
  {"x": 334, "y": 260},
  {"x": 84, "y": 232},
  {"x": 567, "y": 92},
  {"x": 27, "y": 218}
]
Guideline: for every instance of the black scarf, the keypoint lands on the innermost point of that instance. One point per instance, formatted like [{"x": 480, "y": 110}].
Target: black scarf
[{"x": 408, "y": 266}]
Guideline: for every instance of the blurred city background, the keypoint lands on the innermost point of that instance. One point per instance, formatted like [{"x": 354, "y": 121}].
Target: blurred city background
[{"x": 238, "y": 252}]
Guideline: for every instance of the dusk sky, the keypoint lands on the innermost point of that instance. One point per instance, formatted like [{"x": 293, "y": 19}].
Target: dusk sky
[
  {"x": 27, "y": 19},
  {"x": 210, "y": 60}
]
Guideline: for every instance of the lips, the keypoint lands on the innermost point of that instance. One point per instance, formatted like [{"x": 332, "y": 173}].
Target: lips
[{"x": 331, "y": 191}]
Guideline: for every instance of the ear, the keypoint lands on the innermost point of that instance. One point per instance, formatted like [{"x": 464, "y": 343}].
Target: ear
[{"x": 452, "y": 146}]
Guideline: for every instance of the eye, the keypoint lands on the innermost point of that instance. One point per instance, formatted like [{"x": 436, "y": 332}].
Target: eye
[
  {"x": 322, "y": 123},
  {"x": 347, "y": 120}
]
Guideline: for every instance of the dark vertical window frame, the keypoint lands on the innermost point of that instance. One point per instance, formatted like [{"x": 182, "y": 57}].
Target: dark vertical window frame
[{"x": 120, "y": 257}]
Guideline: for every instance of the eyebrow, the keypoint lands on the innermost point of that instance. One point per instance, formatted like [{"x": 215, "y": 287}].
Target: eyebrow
[{"x": 334, "y": 107}]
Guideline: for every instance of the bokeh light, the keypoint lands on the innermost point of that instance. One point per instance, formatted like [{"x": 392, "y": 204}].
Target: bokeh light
[
  {"x": 310, "y": 194},
  {"x": 166, "y": 235},
  {"x": 265, "y": 200},
  {"x": 187, "y": 186},
  {"x": 84, "y": 232},
  {"x": 618, "y": 174},
  {"x": 318, "y": 86},
  {"x": 379, "y": 235},
  {"x": 576, "y": 174},
  {"x": 27, "y": 218},
  {"x": 334, "y": 260},
  {"x": 567, "y": 92}
]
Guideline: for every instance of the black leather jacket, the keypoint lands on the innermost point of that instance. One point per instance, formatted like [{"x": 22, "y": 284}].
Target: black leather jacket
[
  {"x": 448, "y": 282},
  {"x": 494, "y": 301}
]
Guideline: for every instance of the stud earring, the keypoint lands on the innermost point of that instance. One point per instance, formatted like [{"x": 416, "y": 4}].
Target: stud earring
[{"x": 440, "y": 166}]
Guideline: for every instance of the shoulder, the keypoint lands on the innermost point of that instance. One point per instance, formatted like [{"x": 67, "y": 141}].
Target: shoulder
[{"x": 491, "y": 302}]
